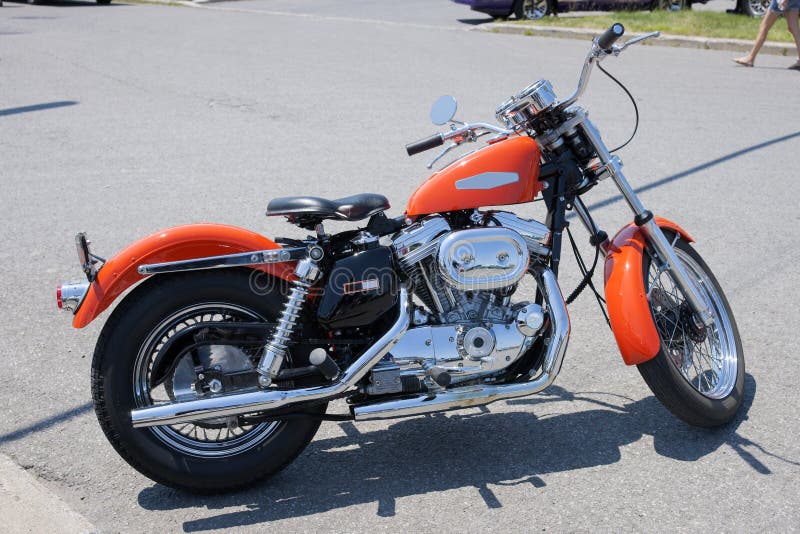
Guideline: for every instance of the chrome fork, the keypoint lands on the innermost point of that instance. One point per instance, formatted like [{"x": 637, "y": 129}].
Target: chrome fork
[{"x": 644, "y": 220}]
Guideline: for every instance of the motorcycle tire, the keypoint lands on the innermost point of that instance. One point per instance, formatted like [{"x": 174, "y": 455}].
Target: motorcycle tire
[
  {"x": 698, "y": 375},
  {"x": 207, "y": 456}
]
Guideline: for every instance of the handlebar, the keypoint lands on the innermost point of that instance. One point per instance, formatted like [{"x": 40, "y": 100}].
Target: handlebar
[
  {"x": 602, "y": 46},
  {"x": 424, "y": 144},
  {"x": 610, "y": 36},
  {"x": 467, "y": 132}
]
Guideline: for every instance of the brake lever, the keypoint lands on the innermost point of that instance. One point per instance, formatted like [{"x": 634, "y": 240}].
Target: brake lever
[
  {"x": 617, "y": 50},
  {"x": 442, "y": 154}
]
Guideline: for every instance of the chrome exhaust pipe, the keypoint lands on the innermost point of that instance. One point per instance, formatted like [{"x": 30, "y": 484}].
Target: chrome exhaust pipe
[
  {"x": 259, "y": 401},
  {"x": 481, "y": 395}
]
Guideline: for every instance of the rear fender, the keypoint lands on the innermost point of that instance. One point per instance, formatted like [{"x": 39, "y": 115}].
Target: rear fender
[
  {"x": 180, "y": 243},
  {"x": 626, "y": 299}
]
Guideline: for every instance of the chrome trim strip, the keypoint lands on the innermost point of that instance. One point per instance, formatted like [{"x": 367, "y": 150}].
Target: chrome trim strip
[
  {"x": 487, "y": 180},
  {"x": 259, "y": 257},
  {"x": 259, "y": 401},
  {"x": 485, "y": 394}
]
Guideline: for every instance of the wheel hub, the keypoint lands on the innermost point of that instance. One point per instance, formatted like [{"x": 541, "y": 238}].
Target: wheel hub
[{"x": 693, "y": 328}]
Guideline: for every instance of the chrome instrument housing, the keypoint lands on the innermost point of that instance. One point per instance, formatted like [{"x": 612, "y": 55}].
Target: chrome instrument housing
[
  {"x": 483, "y": 258},
  {"x": 540, "y": 94},
  {"x": 518, "y": 111}
]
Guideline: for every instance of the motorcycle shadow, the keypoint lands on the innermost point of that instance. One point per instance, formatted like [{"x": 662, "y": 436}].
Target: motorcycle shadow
[{"x": 445, "y": 452}]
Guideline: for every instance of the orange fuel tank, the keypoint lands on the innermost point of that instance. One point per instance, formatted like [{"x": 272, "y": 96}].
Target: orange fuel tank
[{"x": 502, "y": 173}]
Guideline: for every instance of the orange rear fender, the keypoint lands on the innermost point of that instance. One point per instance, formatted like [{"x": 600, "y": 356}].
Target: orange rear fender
[
  {"x": 626, "y": 298},
  {"x": 180, "y": 243}
]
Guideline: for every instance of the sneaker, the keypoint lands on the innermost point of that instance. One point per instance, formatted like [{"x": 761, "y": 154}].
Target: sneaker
[{"x": 796, "y": 65}]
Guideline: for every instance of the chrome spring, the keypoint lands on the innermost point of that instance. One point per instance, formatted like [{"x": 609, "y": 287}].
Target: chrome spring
[
  {"x": 307, "y": 273},
  {"x": 288, "y": 319}
]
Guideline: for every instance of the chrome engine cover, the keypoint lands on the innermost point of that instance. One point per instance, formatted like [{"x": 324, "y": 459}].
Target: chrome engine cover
[
  {"x": 454, "y": 348},
  {"x": 448, "y": 347},
  {"x": 483, "y": 258}
]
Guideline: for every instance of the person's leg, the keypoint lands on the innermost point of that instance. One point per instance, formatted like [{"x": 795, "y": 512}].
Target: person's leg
[
  {"x": 766, "y": 25},
  {"x": 792, "y": 22}
]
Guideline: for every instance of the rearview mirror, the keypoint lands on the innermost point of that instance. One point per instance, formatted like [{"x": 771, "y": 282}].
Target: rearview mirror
[{"x": 443, "y": 110}]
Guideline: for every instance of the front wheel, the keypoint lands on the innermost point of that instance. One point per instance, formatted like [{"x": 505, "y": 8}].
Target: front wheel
[
  {"x": 699, "y": 373},
  {"x": 167, "y": 342}
]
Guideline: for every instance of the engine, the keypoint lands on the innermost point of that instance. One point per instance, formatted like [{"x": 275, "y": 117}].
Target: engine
[
  {"x": 468, "y": 327},
  {"x": 467, "y": 275}
]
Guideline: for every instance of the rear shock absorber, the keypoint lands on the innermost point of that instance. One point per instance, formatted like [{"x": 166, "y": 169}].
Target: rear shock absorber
[{"x": 307, "y": 273}]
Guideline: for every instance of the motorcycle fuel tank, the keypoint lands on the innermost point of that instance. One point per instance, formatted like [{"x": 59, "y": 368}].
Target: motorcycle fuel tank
[{"x": 502, "y": 173}]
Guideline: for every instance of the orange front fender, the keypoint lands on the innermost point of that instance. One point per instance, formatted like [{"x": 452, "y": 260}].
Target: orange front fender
[
  {"x": 179, "y": 243},
  {"x": 626, "y": 299}
]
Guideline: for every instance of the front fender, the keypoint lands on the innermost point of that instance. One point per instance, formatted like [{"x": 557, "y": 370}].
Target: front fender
[
  {"x": 626, "y": 299},
  {"x": 179, "y": 243}
]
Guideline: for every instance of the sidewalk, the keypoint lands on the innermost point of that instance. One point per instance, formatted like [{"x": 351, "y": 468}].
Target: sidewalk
[
  {"x": 29, "y": 507},
  {"x": 683, "y": 41}
]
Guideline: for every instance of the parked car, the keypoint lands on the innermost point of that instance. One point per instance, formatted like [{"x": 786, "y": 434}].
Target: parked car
[{"x": 537, "y": 9}]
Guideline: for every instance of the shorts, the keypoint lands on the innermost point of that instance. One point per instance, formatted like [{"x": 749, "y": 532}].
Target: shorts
[{"x": 791, "y": 5}]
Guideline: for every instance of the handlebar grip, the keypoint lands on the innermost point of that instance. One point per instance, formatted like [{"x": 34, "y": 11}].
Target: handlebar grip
[
  {"x": 424, "y": 144},
  {"x": 610, "y": 36}
]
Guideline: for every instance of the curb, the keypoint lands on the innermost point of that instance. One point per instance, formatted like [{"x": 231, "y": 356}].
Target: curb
[
  {"x": 28, "y": 506},
  {"x": 681, "y": 41}
]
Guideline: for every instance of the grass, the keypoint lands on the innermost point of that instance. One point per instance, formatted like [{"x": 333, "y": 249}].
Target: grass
[{"x": 696, "y": 23}]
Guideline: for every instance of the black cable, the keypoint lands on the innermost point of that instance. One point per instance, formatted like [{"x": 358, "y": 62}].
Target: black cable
[
  {"x": 587, "y": 277},
  {"x": 587, "y": 273},
  {"x": 635, "y": 107}
]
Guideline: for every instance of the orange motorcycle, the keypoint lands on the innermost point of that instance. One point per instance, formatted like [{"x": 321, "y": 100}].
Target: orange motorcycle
[{"x": 217, "y": 368}]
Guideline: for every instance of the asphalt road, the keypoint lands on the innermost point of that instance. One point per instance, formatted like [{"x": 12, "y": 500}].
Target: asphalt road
[{"x": 123, "y": 120}]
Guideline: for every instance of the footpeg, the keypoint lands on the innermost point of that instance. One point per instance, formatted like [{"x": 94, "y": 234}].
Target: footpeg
[
  {"x": 440, "y": 376},
  {"x": 319, "y": 358}
]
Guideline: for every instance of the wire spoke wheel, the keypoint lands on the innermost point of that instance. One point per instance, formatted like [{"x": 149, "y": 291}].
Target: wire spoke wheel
[
  {"x": 698, "y": 373},
  {"x": 215, "y": 438},
  {"x": 164, "y": 343},
  {"x": 706, "y": 360}
]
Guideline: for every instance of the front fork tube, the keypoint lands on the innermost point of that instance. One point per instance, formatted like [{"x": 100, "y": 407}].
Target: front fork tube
[{"x": 644, "y": 220}]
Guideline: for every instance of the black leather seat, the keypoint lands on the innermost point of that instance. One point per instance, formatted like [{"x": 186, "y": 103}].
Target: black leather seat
[{"x": 308, "y": 210}]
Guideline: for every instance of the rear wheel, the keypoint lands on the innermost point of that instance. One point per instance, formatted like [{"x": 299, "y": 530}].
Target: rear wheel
[
  {"x": 533, "y": 9},
  {"x": 699, "y": 373},
  {"x": 129, "y": 371}
]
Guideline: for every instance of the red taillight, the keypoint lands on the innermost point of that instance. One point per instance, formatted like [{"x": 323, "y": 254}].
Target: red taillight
[{"x": 70, "y": 296}]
